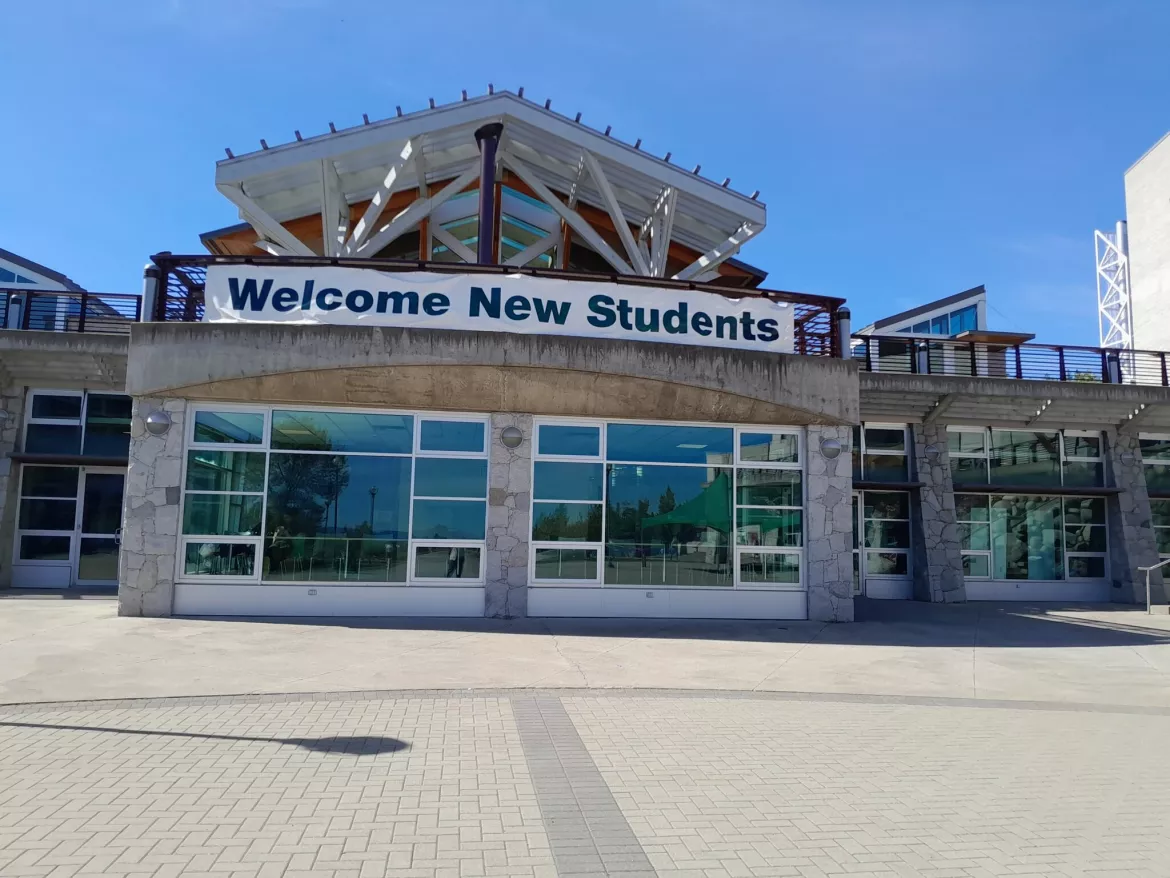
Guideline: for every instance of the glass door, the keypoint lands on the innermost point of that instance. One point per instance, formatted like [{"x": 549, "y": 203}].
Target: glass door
[
  {"x": 858, "y": 567},
  {"x": 99, "y": 531}
]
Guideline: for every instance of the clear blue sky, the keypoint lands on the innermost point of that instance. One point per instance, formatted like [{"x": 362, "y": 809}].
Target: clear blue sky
[{"x": 905, "y": 150}]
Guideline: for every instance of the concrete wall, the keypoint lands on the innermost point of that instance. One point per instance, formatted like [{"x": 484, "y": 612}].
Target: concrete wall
[
  {"x": 1147, "y": 208},
  {"x": 1131, "y": 539},
  {"x": 934, "y": 529},
  {"x": 12, "y": 402},
  {"x": 150, "y": 512},
  {"x": 487, "y": 371},
  {"x": 509, "y": 526},
  {"x": 829, "y": 512}
]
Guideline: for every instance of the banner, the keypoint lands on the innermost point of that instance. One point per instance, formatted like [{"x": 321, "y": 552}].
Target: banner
[{"x": 493, "y": 303}]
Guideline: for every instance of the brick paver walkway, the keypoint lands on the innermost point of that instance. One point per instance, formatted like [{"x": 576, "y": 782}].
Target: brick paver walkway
[{"x": 532, "y": 783}]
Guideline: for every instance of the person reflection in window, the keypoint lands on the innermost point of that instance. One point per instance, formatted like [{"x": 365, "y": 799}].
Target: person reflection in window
[{"x": 455, "y": 563}]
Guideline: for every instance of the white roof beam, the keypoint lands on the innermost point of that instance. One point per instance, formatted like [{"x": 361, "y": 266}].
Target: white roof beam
[
  {"x": 271, "y": 249},
  {"x": 392, "y": 181},
  {"x": 265, "y": 225},
  {"x": 574, "y": 219},
  {"x": 720, "y": 253},
  {"x": 454, "y": 245},
  {"x": 414, "y": 214},
  {"x": 615, "y": 213},
  {"x": 535, "y": 249},
  {"x": 664, "y": 229},
  {"x": 334, "y": 209}
]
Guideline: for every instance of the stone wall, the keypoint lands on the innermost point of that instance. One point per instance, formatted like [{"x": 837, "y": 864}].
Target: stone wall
[
  {"x": 829, "y": 510},
  {"x": 150, "y": 512},
  {"x": 12, "y": 402},
  {"x": 935, "y": 549},
  {"x": 1131, "y": 538},
  {"x": 509, "y": 519}
]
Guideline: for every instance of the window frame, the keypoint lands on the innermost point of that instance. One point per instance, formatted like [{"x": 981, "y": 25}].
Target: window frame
[
  {"x": 1063, "y": 531},
  {"x": 79, "y": 422},
  {"x": 734, "y": 465},
  {"x": 862, "y": 451},
  {"x": 1063, "y": 458},
  {"x": 265, "y": 447},
  {"x": 72, "y": 534},
  {"x": 865, "y": 550},
  {"x": 1154, "y": 462}
]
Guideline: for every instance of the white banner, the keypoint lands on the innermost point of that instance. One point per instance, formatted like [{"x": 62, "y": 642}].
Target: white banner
[{"x": 495, "y": 303}]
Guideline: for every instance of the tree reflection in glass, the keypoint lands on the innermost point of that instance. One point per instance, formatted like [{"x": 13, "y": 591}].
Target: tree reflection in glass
[
  {"x": 668, "y": 525},
  {"x": 336, "y": 518}
]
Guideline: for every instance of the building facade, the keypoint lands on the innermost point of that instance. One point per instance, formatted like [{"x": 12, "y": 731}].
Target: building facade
[
  {"x": 483, "y": 360},
  {"x": 1147, "y": 208}
]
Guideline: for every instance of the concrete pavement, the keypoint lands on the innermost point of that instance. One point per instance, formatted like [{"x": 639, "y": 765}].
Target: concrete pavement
[
  {"x": 66, "y": 649},
  {"x": 949, "y": 742}
]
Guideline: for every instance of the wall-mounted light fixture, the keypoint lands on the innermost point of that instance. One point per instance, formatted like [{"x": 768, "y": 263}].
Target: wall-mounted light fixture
[
  {"x": 830, "y": 449},
  {"x": 1128, "y": 458},
  {"x": 157, "y": 423},
  {"x": 933, "y": 453},
  {"x": 511, "y": 437}
]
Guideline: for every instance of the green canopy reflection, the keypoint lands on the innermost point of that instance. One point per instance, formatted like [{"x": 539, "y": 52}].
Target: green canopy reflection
[{"x": 711, "y": 508}]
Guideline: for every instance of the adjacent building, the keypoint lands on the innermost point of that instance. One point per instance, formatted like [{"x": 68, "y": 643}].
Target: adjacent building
[
  {"x": 482, "y": 359},
  {"x": 1147, "y": 207}
]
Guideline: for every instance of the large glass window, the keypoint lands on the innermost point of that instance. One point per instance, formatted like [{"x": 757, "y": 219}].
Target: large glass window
[
  {"x": 667, "y": 505},
  {"x": 1160, "y": 519},
  {"x": 78, "y": 422},
  {"x": 1156, "y": 460},
  {"x": 880, "y": 453},
  {"x": 1025, "y": 458},
  {"x": 320, "y": 496},
  {"x": 1032, "y": 537}
]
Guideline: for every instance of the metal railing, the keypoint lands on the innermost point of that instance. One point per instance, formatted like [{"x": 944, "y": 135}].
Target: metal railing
[
  {"x": 1147, "y": 571},
  {"x": 69, "y": 311},
  {"x": 181, "y": 286},
  {"x": 1025, "y": 362}
]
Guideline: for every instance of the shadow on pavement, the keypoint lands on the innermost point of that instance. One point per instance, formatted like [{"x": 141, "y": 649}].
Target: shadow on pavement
[
  {"x": 879, "y": 623},
  {"x": 361, "y": 745}
]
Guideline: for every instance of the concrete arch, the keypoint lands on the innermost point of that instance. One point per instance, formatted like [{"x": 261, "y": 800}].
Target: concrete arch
[{"x": 486, "y": 371}]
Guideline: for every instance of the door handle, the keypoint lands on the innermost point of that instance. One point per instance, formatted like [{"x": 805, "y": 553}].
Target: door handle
[{"x": 118, "y": 537}]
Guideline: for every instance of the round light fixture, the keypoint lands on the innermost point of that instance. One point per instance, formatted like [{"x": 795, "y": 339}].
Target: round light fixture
[
  {"x": 1128, "y": 458},
  {"x": 511, "y": 437},
  {"x": 158, "y": 422},
  {"x": 830, "y": 449},
  {"x": 933, "y": 453}
]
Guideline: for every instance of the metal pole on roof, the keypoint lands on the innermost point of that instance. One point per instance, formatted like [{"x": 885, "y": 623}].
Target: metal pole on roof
[
  {"x": 150, "y": 278},
  {"x": 487, "y": 137},
  {"x": 844, "y": 333}
]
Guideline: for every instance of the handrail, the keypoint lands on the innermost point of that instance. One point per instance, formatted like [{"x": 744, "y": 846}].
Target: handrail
[
  {"x": 1147, "y": 571},
  {"x": 68, "y": 310},
  {"x": 940, "y": 355}
]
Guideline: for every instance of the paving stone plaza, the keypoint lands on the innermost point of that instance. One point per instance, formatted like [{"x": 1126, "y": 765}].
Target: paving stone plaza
[{"x": 519, "y": 780}]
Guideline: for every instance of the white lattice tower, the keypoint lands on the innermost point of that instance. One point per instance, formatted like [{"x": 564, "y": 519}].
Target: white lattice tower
[{"x": 1114, "y": 311}]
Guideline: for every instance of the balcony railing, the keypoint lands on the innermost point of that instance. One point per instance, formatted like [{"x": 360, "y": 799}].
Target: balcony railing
[
  {"x": 181, "y": 288},
  {"x": 69, "y": 311},
  {"x": 1024, "y": 362}
]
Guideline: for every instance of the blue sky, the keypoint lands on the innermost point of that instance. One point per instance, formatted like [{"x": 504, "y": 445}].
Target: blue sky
[{"x": 905, "y": 150}]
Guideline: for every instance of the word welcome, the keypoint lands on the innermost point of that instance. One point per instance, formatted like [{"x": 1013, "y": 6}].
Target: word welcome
[{"x": 518, "y": 303}]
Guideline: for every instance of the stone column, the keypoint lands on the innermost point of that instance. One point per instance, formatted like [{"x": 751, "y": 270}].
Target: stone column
[
  {"x": 150, "y": 512},
  {"x": 1131, "y": 537},
  {"x": 12, "y": 402},
  {"x": 829, "y": 515},
  {"x": 935, "y": 548},
  {"x": 509, "y": 519}
]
